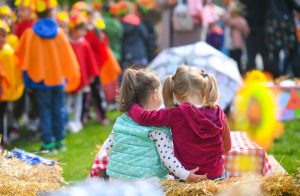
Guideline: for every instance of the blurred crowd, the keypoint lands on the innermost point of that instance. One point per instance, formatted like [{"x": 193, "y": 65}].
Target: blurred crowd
[
  {"x": 269, "y": 28},
  {"x": 57, "y": 63}
]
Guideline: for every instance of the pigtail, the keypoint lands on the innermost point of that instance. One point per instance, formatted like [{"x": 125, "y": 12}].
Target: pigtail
[
  {"x": 167, "y": 92},
  {"x": 211, "y": 92},
  {"x": 127, "y": 94}
]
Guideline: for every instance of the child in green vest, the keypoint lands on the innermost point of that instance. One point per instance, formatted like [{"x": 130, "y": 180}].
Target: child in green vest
[{"x": 140, "y": 152}]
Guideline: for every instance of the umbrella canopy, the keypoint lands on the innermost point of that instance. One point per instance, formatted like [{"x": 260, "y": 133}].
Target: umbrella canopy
[{"x": 205, "y": 57}]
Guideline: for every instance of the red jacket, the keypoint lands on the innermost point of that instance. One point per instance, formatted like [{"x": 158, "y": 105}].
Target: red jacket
[
  {"x": 99, "y": 44},
  {"x": 86, "y": 60},
  {"x": 197, "y": 134},
  {"x": 20, "y": 27}
]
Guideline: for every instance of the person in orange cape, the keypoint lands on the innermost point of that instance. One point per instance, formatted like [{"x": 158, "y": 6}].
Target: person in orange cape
[
  {"x": 11, "y": 83},
  {"x": 99, "y": 43},
  {"x": 88, "y": 67},
  {"x": 49, "y": 67}
]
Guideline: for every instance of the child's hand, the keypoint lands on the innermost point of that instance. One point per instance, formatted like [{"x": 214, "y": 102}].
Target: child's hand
[{"x": 194, "y": 177}]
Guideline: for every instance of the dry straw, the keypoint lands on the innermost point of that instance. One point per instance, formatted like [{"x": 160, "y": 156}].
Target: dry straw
[
  {"x": 19, "y": 178},
  {"x": 273, "y": 184}
]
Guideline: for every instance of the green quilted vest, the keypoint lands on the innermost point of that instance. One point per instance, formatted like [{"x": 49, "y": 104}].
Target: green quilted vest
[{"x": 134, "y": 155}]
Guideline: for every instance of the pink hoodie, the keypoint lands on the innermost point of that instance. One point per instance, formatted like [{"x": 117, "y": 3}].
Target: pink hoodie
[{"x": 197, "y": 134}]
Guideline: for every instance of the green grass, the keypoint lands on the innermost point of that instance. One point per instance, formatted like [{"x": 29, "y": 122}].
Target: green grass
[
  {"x": 287, "y": 148},
  {"x": 83, "y": 146}
]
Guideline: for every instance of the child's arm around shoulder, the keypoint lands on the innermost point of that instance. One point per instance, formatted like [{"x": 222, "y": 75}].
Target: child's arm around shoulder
[
  {"x": 165, "y": 150},
  {"x": 162, "y": 117}
]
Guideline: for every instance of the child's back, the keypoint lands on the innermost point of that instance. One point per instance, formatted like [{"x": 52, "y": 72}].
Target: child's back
[
  {"x": 134, "y": 152},
  {"x": 197, "y": 135},
  {"x": 200, "y": 134}
]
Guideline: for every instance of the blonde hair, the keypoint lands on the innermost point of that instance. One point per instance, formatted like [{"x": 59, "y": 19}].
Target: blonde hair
[
  {"x": 189, "y": 80},
  {"x": 136, "y": 87}
]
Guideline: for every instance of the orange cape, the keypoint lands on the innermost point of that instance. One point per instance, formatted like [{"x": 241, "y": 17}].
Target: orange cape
[
  {"x": 12, "y": 83},
  {"x": 111, "y": 70},
  {"x": 49, "y": 60}
]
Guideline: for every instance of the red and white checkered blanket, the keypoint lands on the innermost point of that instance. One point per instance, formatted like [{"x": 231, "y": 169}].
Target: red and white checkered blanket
[{"x": 245, "y": 156}]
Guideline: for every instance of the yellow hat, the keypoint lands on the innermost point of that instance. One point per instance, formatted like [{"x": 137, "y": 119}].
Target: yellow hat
[
  {"x": 25, "y": 3},
  {"x": 76, "y": 18},
  {"x": 63, "y": 16},
  {"x": 42, "y": 5},
  {"x": 4, "y": 26},
  {"x": 5, "y": 10}
]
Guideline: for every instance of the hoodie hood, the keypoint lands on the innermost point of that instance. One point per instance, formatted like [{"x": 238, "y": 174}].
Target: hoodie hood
[
  {"x": 205, "y": 122},
  {"x": 132, "y": 19},
  {"x": 46, "y": 28}
]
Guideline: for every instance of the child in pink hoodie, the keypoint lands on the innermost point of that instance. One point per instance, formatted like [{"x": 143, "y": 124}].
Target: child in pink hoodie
[{"x": 199, "y": 127}]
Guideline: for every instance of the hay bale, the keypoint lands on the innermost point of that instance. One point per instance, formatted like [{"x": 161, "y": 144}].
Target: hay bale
[
  {"x": 273, "y": 184},
  {"x": 19, "y": 178}
]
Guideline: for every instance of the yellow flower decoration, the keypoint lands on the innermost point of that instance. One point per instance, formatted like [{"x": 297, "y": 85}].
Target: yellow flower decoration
[
  {"x": 76, "y": 18},
  {"x": 40, "y": 6},
  {"x": 17, "y": 2},
  {"x": 99, "y": 23},
  {"x": 5, "y": 10},
  {"x": 4, "y": 26},
  {"x": 63, "y": 16},
  {"x": 25, "y": 3},
  {"x": 53, "y": 3},
  {"x": 256, "y": 110}
]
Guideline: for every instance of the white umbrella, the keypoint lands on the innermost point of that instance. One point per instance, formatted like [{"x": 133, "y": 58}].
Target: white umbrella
[{"x": 205, "y": 57}]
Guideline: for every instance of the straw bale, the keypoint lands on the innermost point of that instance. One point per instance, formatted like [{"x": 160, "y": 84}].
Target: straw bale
[
  {"x": 273, "y": 184},
  {"x": 19, "y": 178}
]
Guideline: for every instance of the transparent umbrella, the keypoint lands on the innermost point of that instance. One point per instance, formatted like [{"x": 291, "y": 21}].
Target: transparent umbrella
[{"x": 205, "y": 57}]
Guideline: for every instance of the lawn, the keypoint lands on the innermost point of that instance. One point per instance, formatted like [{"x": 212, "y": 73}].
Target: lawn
[{"x": 77, "y": 160}]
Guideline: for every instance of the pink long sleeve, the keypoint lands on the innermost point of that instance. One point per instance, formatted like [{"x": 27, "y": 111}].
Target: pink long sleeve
[{"x": 161, "y": 117}]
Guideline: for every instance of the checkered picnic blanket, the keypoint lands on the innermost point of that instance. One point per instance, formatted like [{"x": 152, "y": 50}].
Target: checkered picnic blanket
[
  {"x": 100, "y": 163},
  {"x": 245, "y": 156}
]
